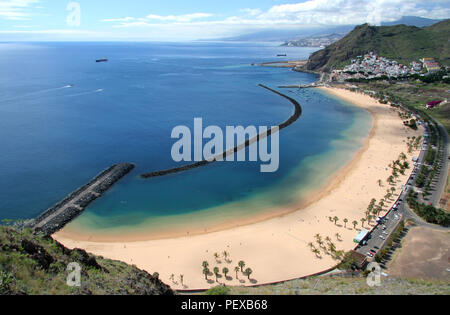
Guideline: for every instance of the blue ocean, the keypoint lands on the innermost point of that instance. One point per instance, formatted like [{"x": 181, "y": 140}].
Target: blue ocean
[{"x": 64, "y": 118}]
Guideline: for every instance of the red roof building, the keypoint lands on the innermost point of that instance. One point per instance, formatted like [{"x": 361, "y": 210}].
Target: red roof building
[{"x": 433, "y": 104}]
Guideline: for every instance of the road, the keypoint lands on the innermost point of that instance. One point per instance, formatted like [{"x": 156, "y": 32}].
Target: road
[
  {"x": 440, "y": 183},
  {"x": 400, "y": 211}
]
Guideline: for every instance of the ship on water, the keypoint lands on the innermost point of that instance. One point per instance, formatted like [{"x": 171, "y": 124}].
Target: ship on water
[{"x": 102, "y": 60}]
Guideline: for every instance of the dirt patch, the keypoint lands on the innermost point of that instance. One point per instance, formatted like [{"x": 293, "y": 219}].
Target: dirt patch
[{"x": 425, "y": 253}]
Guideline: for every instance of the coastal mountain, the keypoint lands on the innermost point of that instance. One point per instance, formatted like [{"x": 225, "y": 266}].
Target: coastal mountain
[
  {"x": 400, "y": 42},
  {"x": 412, "y": 21},
  {"x": 315, "y": 41},
  {"x": 36, "y": 264},
  {"x": 288, "y": 35},
  {"x": 297, "y": 35}
]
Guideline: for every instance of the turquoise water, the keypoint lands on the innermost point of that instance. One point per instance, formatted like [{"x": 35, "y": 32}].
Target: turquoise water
[{"x": 55, "y": 138}]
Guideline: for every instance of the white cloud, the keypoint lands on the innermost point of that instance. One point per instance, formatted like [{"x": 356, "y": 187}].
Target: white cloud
[
  {"x": 251, "y": 12},
  {"x": 287, "y": 16},
  {"x": 125, "y": 19},
  {"x": 338, "y": 12},
  {"x": 185, "y": 18},
  {"x": 247, "y": 20},
  {"x": 16, "y": 9},
  {"x": 179, "y": 18}
]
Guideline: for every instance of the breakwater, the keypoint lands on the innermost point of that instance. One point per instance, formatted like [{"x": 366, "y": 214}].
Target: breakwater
[
  {"x": 56, "y": 217},
  {"x": 295, "y": 116}
]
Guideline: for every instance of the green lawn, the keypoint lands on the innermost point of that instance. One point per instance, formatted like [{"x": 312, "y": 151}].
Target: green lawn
[{"x": 417, "y": 95}]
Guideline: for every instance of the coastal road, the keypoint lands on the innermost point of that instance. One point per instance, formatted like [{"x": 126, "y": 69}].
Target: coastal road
[
  {"x": 440, "y": 183},
  {"x": 400, "y": 211}
]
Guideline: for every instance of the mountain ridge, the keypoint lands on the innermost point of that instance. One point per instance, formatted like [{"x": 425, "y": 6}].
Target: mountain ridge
[
  {"x": 400, "y": 42},
  {"x": 298, "y": 34}
]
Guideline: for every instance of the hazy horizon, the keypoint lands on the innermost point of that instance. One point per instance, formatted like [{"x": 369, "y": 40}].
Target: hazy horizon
[{"x": 176, "y": 20}]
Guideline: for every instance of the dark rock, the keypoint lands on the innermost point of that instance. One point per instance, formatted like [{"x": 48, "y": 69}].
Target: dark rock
[
  {"x": 37, "y": 253},
  {"x": 84, "y": 258}
]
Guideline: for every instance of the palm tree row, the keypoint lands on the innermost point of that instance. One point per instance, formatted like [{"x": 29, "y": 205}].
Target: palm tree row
[
  {"x": 216, "y": 271},
  {"x": 328, "y": 247}
]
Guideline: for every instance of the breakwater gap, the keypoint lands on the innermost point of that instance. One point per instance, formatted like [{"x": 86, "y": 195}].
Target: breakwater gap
[
  {"x": 295, "y": 116},
  {"x": 56, "y": 217}
]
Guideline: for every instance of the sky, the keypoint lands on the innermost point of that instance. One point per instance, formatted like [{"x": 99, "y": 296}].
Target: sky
[{"x": 180, "y": 20}]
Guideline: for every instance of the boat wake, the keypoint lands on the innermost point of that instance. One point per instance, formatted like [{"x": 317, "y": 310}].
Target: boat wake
[
  {"x": 86, "y": 93},
  {"x": 36, "y": 93}
]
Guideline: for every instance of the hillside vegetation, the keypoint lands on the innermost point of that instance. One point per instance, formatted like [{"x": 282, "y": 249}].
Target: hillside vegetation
[
  {"x": 348, "y": 286},
  {"x": 401, "y": 43},
  {"x": 37, "y": 265}
]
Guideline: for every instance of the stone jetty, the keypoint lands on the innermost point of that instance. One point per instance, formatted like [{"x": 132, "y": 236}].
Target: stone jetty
[
  {"x": 295, "y": 116},
  {"x": 55, "y": 218}
]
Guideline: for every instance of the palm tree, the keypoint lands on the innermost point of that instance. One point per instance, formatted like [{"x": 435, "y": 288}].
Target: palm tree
[
  {"x": 363, "y": 220},
  {"x": 355, "y": 223},
  {"x": 311, "y": 245},
  {"x": 216, "y": 272},
  {"x": 206, "y": 272},
  {"x": 380, "y": 183},
  {"x": 328, "y": 239},
  {"x": 338, "y": 236},
  {"x": 393, "y": 190},
  {"x": 172, "y": 278},
  {"x": 242, "y": 265},
  {"x": 237, "y": 269},
  {"x": 216, "y": 256},
  {"x": 225, "y": 255},
  {"x": 318, "y": 238},
  {"x": 248, "y": 272},
  {"x": 332, "y": 247},
  {"x": 335, "y": 219},
  {"x": 205, "y": 264},
  {"x": 225, "y": 271},
  {"x": 182, "y": 279},
  {"x": 391, "y": 180},
  {"x": 345, "y": 222},
  {"x": 317, "y": 252}
]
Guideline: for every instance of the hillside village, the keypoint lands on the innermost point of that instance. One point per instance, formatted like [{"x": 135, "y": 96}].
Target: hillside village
[{"x": 372, "y": 66}]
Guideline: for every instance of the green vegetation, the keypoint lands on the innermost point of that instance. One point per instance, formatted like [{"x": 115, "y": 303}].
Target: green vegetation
[
  {"x": 355, "y": 285},
  {"x": 414, "y": 95},
  {"x": 427, "y": 212},
  {"x": 37, "y": 265},
  {"x": 401, "y": 43},
  {"x": 390, "y": 243},
  {"x": 219, "y": 290}
]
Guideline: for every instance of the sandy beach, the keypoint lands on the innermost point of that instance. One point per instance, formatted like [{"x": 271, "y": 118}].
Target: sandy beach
[{"x": 277, "y": 249}]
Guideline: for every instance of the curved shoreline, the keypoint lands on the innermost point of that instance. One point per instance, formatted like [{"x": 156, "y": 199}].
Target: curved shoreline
[
  {"x": 314, "y": 195},
  {"x": 297, "y": 114},
  {"x": 277, "y": 249}
]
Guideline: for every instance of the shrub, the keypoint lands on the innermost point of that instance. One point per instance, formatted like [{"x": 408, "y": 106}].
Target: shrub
[{"x": 219, "y": 290}]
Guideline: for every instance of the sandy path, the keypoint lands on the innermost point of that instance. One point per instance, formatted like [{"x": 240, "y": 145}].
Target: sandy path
[{"x": 277, "y": 249}]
